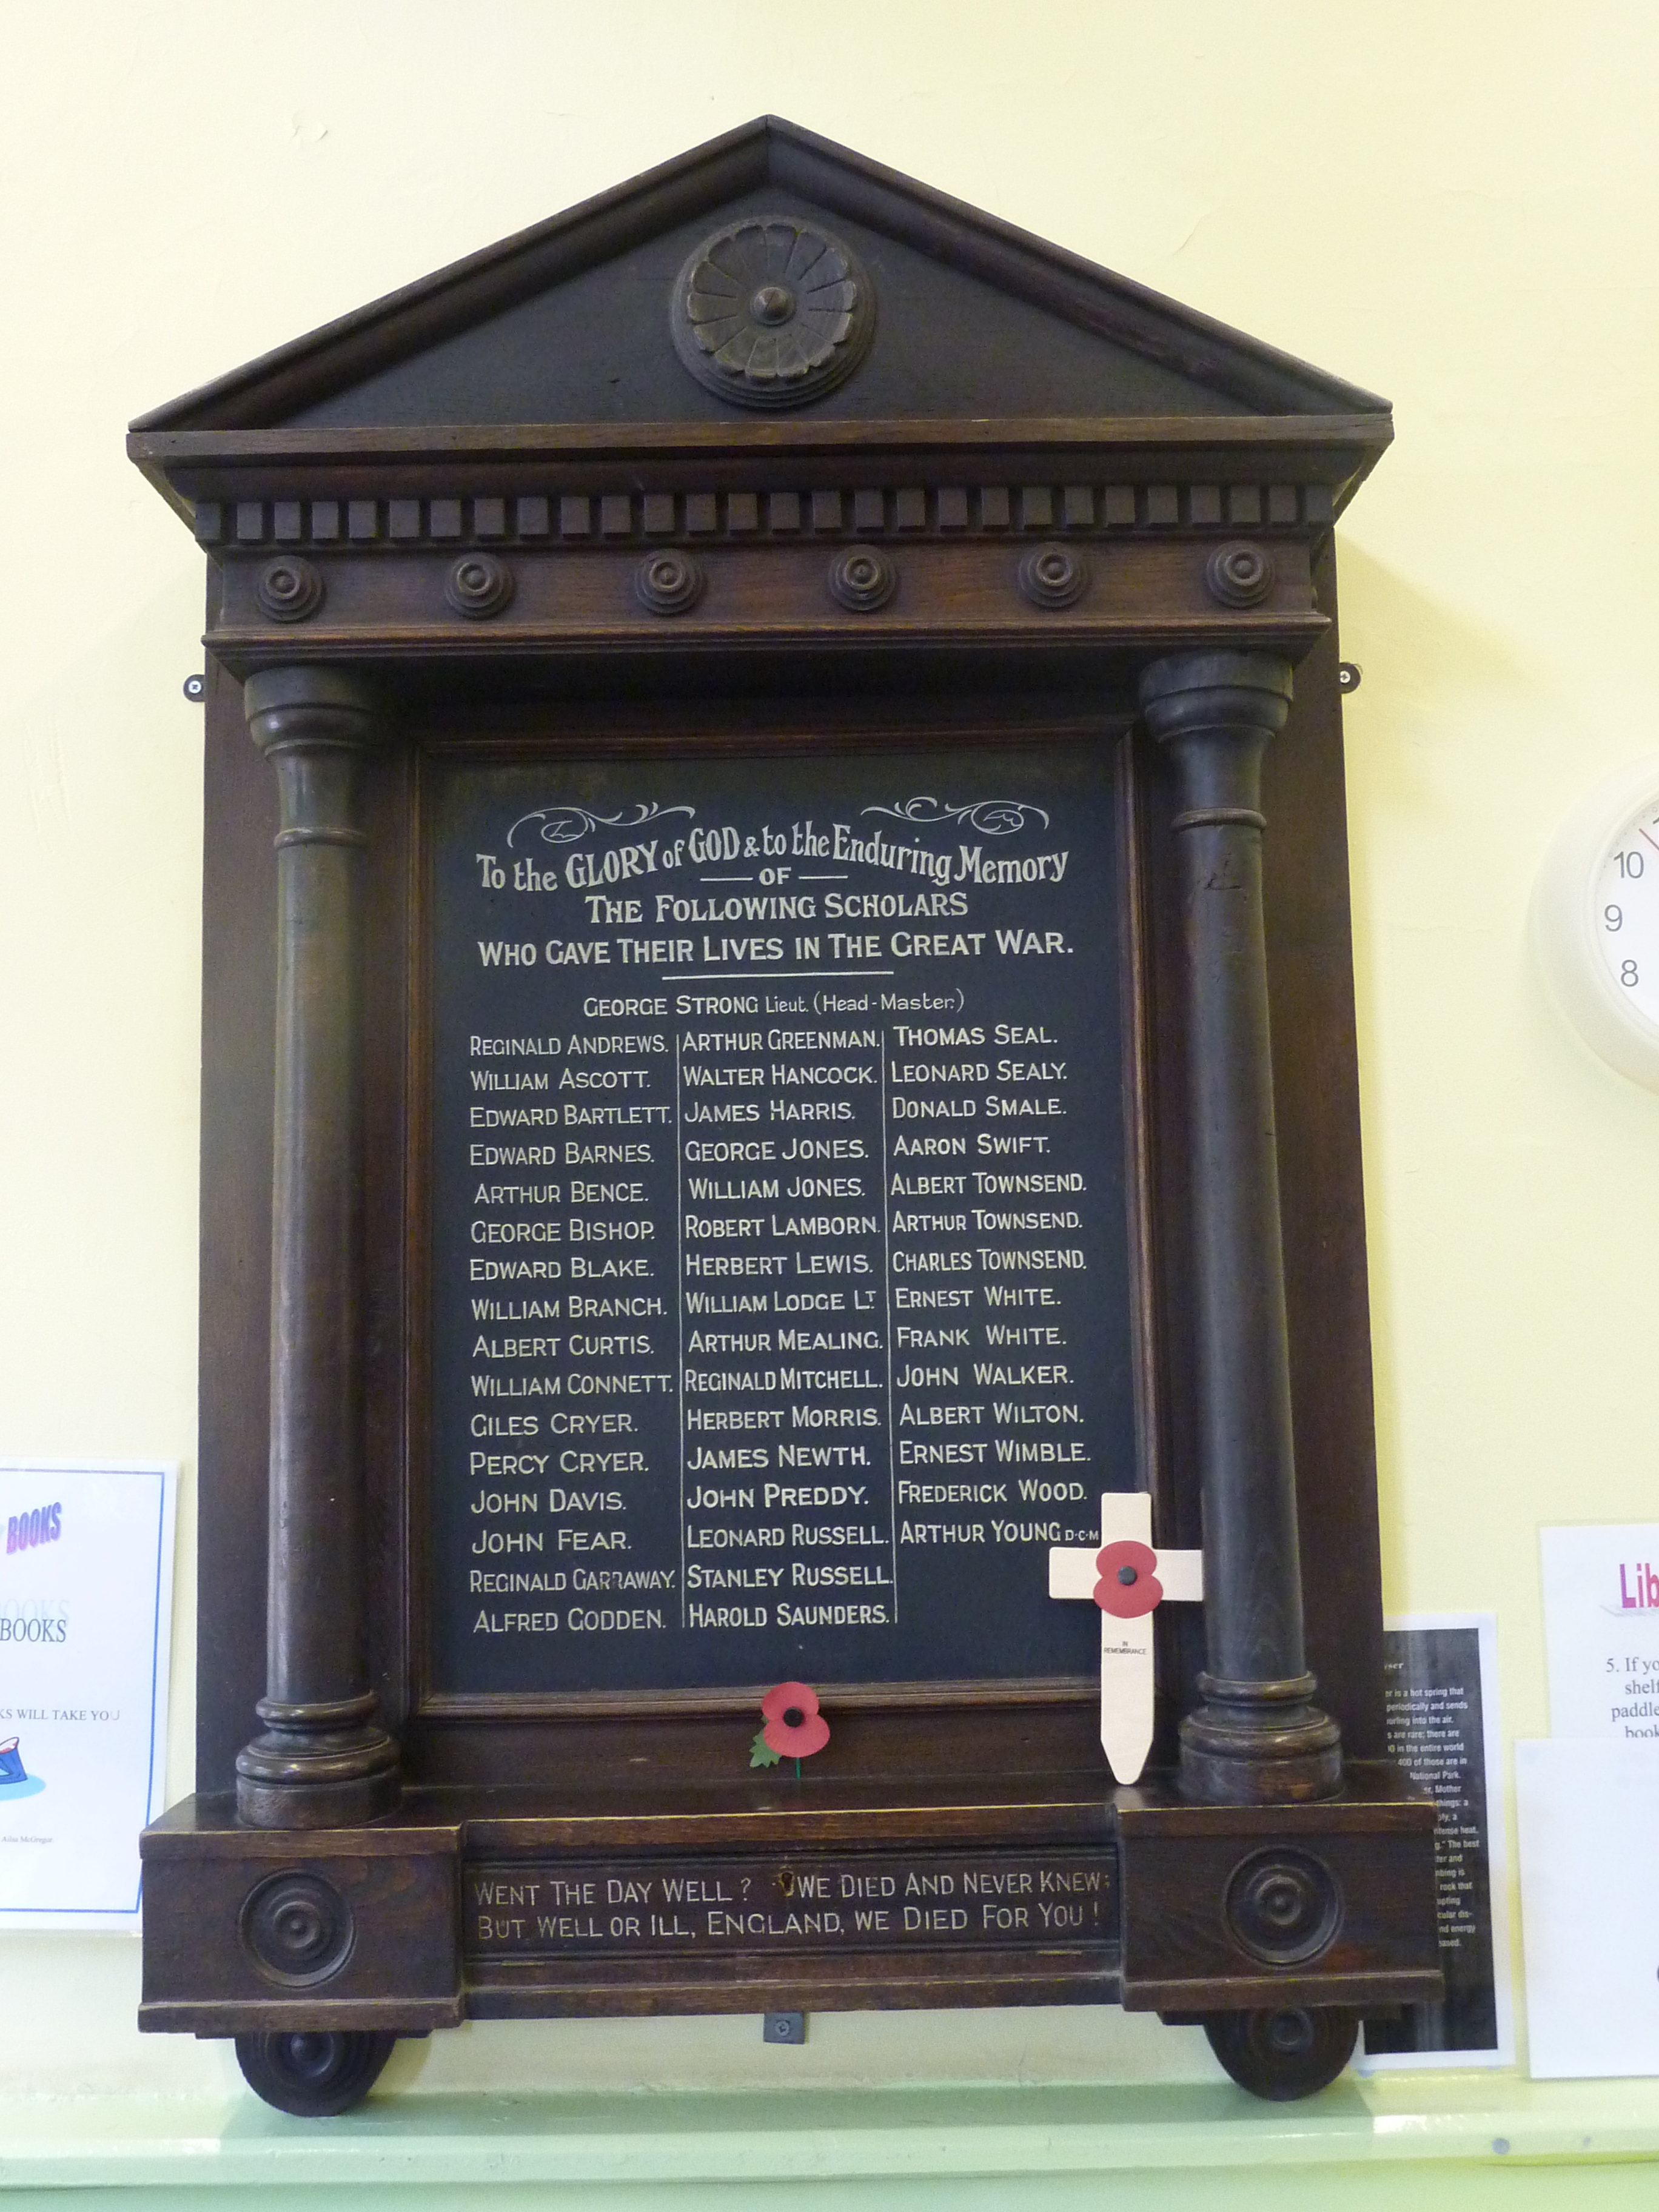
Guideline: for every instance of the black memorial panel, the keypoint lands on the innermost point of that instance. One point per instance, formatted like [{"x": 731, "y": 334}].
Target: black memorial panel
[{"x": 779, "y": 1288}]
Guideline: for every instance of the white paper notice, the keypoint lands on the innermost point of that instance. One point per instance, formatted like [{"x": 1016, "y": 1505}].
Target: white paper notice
[
  {"x": 1440, "y": 1682},
  {"x": 1589, "y": 1813},
  {"x": 86, "y": 1590},
  {"x": 1601, "y": 1629}
]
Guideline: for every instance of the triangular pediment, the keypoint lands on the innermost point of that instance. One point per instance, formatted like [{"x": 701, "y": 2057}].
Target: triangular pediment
[{"x": 569, "y": 323}]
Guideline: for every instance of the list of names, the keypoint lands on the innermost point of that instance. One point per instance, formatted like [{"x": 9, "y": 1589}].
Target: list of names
[{"x": 781, "y": 1311}]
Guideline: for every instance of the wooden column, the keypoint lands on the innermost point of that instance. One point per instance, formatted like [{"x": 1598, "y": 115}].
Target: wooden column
[
  {"x": 322, "y": 1758},
  {"x": 1257, "y": 1737}
]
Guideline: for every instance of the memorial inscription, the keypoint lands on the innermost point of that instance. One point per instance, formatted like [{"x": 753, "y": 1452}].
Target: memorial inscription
[
  {"x": 555, "y": 1909},
  {"x": 779, "y": 1302}
]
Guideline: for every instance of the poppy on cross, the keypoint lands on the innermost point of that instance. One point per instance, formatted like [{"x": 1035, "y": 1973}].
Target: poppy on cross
[{"x": 1126, "y": 1579}]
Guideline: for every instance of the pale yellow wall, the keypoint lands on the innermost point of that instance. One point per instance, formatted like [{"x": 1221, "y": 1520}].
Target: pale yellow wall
[{"x": 1456, "y": 206}]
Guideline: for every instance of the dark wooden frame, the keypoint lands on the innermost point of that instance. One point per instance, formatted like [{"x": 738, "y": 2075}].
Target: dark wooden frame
[{"x": 328, "y": 632}]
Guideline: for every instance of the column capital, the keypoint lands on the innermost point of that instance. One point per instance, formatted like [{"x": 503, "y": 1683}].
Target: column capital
[
  {"x": 1193, "y": 691},
  {"x": 304, "y": 703}
]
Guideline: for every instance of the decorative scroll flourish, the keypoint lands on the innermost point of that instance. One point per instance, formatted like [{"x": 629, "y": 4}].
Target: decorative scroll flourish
[
  {"x": 992, "y": 817},
  {"x": 568, "y": 824}
]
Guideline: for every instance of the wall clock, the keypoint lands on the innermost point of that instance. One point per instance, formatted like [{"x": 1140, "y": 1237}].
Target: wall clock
[{"x": 1595, "y": 920}]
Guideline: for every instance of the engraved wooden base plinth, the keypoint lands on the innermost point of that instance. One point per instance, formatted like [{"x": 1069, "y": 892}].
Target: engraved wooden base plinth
[
  {"x": 1258, "y": 1743},
  {"x": 491, "y": 1903},
  {"x": 1231, "y": 1909}
]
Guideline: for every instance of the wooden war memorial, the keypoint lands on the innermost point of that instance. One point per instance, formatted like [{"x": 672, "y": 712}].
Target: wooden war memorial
[{"x": 775, "y": 832}]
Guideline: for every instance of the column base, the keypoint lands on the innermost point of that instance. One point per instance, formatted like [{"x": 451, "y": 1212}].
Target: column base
[
  {"x": 1258, "y": 1743},
  {"x": 318, "y": 1766}
]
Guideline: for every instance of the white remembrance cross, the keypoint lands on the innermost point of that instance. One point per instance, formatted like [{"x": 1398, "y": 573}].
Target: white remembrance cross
[{"x": 1126, "y": 1642}]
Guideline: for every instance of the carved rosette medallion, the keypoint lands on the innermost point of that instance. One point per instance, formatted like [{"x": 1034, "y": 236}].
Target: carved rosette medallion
[
  {"x": 861, "y": 579},
  {"x": 1283, "y": 1906},
  {"x": 478, "y": 586},
  {"x": 1053, "y": 576},
  {"x": 1239, "y": 575},
  {"x": 297, "y": 1928},
  {"x": 289, "y": 588},
  {"x": 771, "y": 312},
  {"x": 668, "y": 583}
]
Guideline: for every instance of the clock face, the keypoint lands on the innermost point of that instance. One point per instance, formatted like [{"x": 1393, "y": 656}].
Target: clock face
[
  {"x": 1595, "y": 921},
  {"x": 1627, "y": 904}
]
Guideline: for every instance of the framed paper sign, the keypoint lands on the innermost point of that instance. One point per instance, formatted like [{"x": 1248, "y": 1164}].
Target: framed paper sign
[{"x": 86, "y": 1597}]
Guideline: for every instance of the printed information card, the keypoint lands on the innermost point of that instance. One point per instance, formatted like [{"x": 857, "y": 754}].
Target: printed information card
[
  {"x": 86, "y": 1592},
  {"x": 1601, "y": 1629},
  {"x": 1589, "y": 1813},
  {"x": 1588, "y": 1804},
  {"x": 1440, "y": 1674}
]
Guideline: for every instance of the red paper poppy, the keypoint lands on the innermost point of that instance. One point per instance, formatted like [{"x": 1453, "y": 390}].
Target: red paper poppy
[
  {"x": 794, "y": 1728},
  {"x": 1128, "y": 1585}
]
